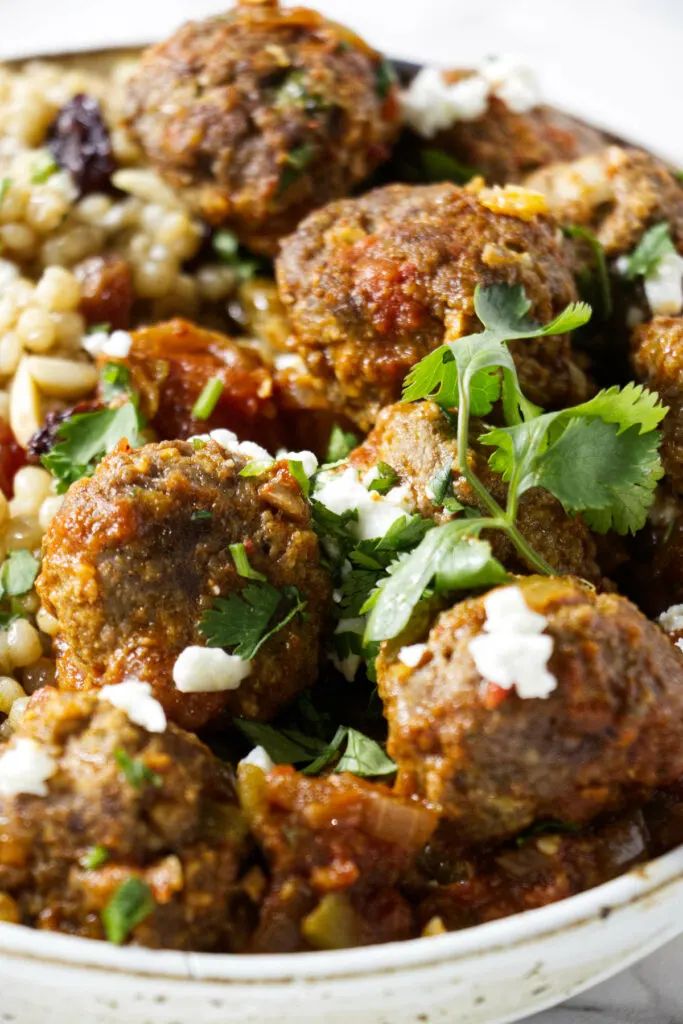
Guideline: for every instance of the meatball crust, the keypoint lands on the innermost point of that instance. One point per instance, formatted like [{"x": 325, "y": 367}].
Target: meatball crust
[
  {"x": 608, "y": 734},
  {"x": 657, "y": 354},
  {"x": 177, "y": 827},
  {"x": 504, "y": 145},
  {"x": 617, "y": 193},
  {"x": 128, "y": 572},
  {"x": 374, "y": 284},
  {"x": 417, "y": 441},
  {"x": 263, "y": 115},
  {"x": 337, "y": 848}
]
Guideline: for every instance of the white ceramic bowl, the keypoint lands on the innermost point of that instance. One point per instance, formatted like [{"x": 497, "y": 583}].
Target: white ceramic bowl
[{"x": 486, "y": 975}]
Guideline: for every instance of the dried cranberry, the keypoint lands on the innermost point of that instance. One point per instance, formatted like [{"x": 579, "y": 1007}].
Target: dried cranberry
[{"x": 79, "y": 141}]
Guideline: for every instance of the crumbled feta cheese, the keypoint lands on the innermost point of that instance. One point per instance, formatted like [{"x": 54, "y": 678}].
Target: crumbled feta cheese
[
  {"x": 512, "y": 82},
  {"x": 370, "y": 477},
  {"x": 117, "y": 345},
  {"x": 25, "y": 767},
  {"x": 349, "y": 665},
  {"x": 672, "y": 619},
  {"x": 412, "y": 655},
  {"x": 227, "y": 439},
  {"x": 513, "y": 650},
  {"x": 307, "y": 459},
  {"x": 664, "y": 286},
  {"x": 431, "y": 104},
  {"x": 135, "y": 698},
  {"x": 259, "y": 758},
  {"x": 679, "y": 645},
  {"x": 290, "y": 361},
  {"x": 209, "y": 670},
  {"x": 251, "y": 450},
  {"x": 344, "y": 492}
]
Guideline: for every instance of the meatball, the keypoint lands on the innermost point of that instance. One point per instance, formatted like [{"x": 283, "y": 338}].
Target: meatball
[
  {"x": 616, "y": 193},
  {"x": 417, "y": 441},
  {"x": 504, "y": 145},
  {"x": 655, "y": 573},
  {"x": 122, "y": 804},
  {"x": 140, "y": 551},
  {"x": 657, "y": 349},
  {"x": 494, "y": 762},
  {"x": 337, "y": 848},
  {"x": 171, "y": 362},
  {"x": 263, "y": 115},
  {"x": 374, "y": 284}
]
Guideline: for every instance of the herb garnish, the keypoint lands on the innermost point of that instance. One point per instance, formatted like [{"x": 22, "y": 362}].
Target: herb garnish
[
  {"x": 116, "y": 380},
  {"x": 244, "y": 621},
  {"x": 603, "y": 287},
  {"x": 208, "y": 398},
  {"x": 129, "y": 905},
  {"x": 87, "y": 437},
  {"x": 385, "y": 479},
  {"x": 297, "y": 470},
  {"x": 201, "y": 515},
  {"x": 18, "y": 573},
  {"x": 43, "y": 168},
  {"x": 440, "y": 490},
  {"x": 363, "y": 756},
  {"x": 5, "y": 185},
  {"x": 94, "y": 858},
  {"x": 241, "y": 560},
  {"x": 135, "y": 770},
  {"x": 340, "y": 445},
  {"x": 655, "y": 244},
  {"x": 385, "y": 78},
  {"x": 296, "y": 162},
  {"x": 294, "y": 93},
  {"x": 229, "y": 251}
]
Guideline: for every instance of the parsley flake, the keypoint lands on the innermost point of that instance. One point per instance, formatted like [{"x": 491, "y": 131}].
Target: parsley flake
[
  {"x": 135, "y": 770},
  {"x": 201, "y": 515},
  {"x": 94, "y": 858},
  {"x": 296, "y": 162},
  {"x": 244, "y": 622},
  {"x": 208, "y": 398},
  {"x": 129, "y": 905}
]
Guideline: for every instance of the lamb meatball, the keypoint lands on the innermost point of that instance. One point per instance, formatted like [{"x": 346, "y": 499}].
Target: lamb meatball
[
  {"x": 608, "y": 733},
  {"x": 337, "y": 848},
  {"x": 121, "y": 804},
  {"x": 373, "y": 284},
  {"x": 263, "y": 115},
  {"x": 140, "y": 551},
  {"x": 616, "y": 193},
  {"x": 504, "y": 144},
  {"x": 657, "y": 353},
  {"x": 417, "y": 441}
]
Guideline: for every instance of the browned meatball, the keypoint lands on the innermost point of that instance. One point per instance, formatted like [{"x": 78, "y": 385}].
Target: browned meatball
[
  {"x": 263, "y": 115},
  {"x": 337, "y": 848},
  {"x": 417, "y": 441},
  {"x": 657, "y": 349},
  {"x": 493, "y": 762},
  {"x": 123, "y": 803},
  {"x": 129, "y": 569},
  {"x": 373, "y": 285},
  {"x": 504, "y": 146},
  {"x": 617, "y": 193}
]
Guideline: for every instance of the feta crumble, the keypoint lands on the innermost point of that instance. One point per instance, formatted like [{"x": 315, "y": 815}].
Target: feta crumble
[
  {"x": 117, "y": 344},
  {"x": 664, "y": 286},
  {"x": 345, "y": 492},
  {"x": 228, "y": 440},
  {"x": 431, "y": 105},
  {"x": 513, "y": 650},
  {"x": 349, "y": 665},
  {"x": 25, "y": 767},
  {"x": 307, "y": 459},
  {"x": 135, "y": 698},
  {"x": 412, "y": 655},
  {"x": 209, "y": 670},
  {"x": 290, "y": 361},
  {"x": 672, "y": 619},
  {"x": 259, "y": 758}
]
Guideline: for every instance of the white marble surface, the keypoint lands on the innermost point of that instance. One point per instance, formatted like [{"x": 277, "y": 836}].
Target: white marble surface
[{"x": 615, "y": 61}]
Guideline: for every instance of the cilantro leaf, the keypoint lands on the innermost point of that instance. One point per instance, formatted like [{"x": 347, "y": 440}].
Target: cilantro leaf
[
  {"x": 364, "y": 757},
  {"x": 630, "y": 406},
  {"x": 226, "y": 245},
  {"x": 655, "y": 244},
  {"x": 135, "y": 770},
  {"x": 296, "y": 468},
  {"x": 385, "y": 479},
  {"x": 243, "y": 622},
  {"x": 326, "y": 755},
  {"x": 18, "y": 574},
  {"x": 284, "y": 746},
  {"x": 129, "y": 905},
  {"x": 449, "y": 553},
  {"x": 86, "y": 438},
  {"x": 340, "y": 445},
  {"x": 602, "y": 278},
  {"x": 95, "y": 857},
  {"x": 115, "y": 378}
]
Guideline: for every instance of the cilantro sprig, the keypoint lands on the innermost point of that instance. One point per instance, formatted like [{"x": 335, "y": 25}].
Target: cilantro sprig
[
  {"x": 362, "y": 755},
  {"x": 244, "y": 622},
  {"x": 128, "y": 906},
  {"x": 85, "y": 438},
  {"x": 655, "y": 244}
]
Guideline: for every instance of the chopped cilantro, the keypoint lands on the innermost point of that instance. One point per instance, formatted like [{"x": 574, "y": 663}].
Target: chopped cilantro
[
  {"x": 239, "y": 557},
  {"x": 603, "y": 287},
  {"x": 385, "y": 78},
  {"x": 135, "y": 770},
  {"x": 385, "y": 480},
  {"x": 284, "y": 746},
  {"x": 340, "y": 445},
  {"x": 441, "y": 490},
  {"x": 228, "y": 249},
  {"x": 256, "y": 467},
  {"x": 129, "y": 905},
  {"x": 296, "y": 162},
  {"x": 364, "y": 757},
  {"x": 44, "y": 166},
  {"x": 86, "y": 437},
  {"x": 95, "y": 858},
  {"x": 18, "y": 573},
  {"x": 435, "y": 165},
  {"x": 208, "y": 398},
  {"x": 201, "y": 515},
  {"x": 294, "y": 92},
  {"x": 296, "y": 468},
  {"x": 116, "y": 380},
  {"x": 655, "y": 244},
  {"x": 244, "y": 621}
]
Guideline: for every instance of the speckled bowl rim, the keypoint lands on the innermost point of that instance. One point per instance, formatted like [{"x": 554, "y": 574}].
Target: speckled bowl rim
[{"x": 636, "y": 886}]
